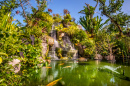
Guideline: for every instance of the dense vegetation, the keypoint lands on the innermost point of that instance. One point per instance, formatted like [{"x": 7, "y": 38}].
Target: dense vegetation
[{"x": 111, "y": 38}]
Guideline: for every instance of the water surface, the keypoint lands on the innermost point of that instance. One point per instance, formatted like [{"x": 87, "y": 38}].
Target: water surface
[{"x": 74, "y": 73}]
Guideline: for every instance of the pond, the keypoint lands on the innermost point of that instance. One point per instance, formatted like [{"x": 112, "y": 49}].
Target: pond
[{"x": 74, "y": 73}]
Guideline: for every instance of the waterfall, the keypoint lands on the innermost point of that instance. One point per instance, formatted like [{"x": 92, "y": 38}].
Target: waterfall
[
  {"x": 68, "y": 45},
  {"x": 52, "y": 52},
  {"x": 71, "y": 48}
]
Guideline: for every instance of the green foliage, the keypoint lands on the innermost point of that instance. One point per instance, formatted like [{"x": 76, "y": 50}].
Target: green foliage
[
  {"x": 88, "y": 25},
  {"x": 59, "y": 27},
  {"x": 79, "y": 36},
  {"x": 122, "y": 19},
  {"x": 91, "y": 24},
  {"x": 71, "y": 30},
  {"x": 0, "y": 60},
  {"x": 42, "y": 6},
  {"x": 123, "y": 45},
  {"x": 14, "y": 39},
  {"x": 109, "y": 11},
  {"x": 59, "y": 52},
  {"x": 1, "y": 53},
  {"x": 8, "y": 32},
  {"x": 67, "y": 18},
  {"x": 86, "y": 11},
  {"x": 113, "y": 6},
  {"x": 7, "y": 6},
  {"x": 57, "y": 18},
  {"x": 40, "y": 24}
]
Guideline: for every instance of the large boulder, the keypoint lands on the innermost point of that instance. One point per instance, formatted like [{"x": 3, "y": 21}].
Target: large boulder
[
  {"x": 82, "y": 59},
  {"x": 98, "y": 57},
  {"x": 110, "y": 58},
  {"x": 50, "y": 40},
  {"x": 44, "y": 48},
  {"x": 16, "y": 65}
]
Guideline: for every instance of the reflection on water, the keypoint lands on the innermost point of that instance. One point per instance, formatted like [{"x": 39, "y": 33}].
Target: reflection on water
[{"x": 91, "y": 73}]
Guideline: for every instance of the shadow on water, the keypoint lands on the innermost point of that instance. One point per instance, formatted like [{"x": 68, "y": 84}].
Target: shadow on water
[{"x": 83, "y": 63}]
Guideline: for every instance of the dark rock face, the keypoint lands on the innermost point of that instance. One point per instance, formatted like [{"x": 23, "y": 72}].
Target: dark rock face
[
  {"x": 16, "y": 65},
  {"x": 64, "y": 53},
  {"x": 81, "y": 49}
]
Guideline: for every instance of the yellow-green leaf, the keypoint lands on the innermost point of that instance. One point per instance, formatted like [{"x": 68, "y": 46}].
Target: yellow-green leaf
[
  {"x": 1, "y": 53},
  {"x": 0, "y": 60}
]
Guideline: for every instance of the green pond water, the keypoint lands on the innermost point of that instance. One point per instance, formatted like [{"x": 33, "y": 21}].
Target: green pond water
[{"x": 73, "y": 73}]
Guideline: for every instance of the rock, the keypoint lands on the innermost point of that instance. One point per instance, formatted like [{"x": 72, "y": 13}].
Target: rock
[
  {"x": 80, "y": 48},
  {"x": 44, "y": 48},
  {"x": 49, "y": 61},
  {"x": 110, "y": 57},
  {"x": 50, "y": 40},
  {"x": 16, "y": 64},
  {"x": 73, "y": 53},
  {"x": 61, "y": 34},
  {"x": 98, "y": 57},
  {"x": 82, "y": 59},
  {"x": 41, "y": 60}
]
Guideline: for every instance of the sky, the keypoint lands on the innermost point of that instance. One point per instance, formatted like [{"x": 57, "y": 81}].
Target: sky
[{"x": 74, "y": 6}]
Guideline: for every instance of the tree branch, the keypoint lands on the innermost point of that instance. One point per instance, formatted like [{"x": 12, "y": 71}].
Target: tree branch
[
  {"x": 24, "y": 12},
  {"x": 38, "y": 10},
  {"x": 88, "y": 7},
  {"x": 96, "y": 4},
  {"x": 38, "y": 4},
  {"x": 112, "y": 20}
]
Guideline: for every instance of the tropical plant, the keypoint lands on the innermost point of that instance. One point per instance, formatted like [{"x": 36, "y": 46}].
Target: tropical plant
[
  {"x": 88, "y": 20},
  {"x": 87, "y": 24}
]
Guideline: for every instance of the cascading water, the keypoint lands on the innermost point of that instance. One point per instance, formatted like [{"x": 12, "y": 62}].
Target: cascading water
[
  {"x": 71, "y": 49},
  {"x": 68, "y": 46},
  {"x": 52, "y": 52}
]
